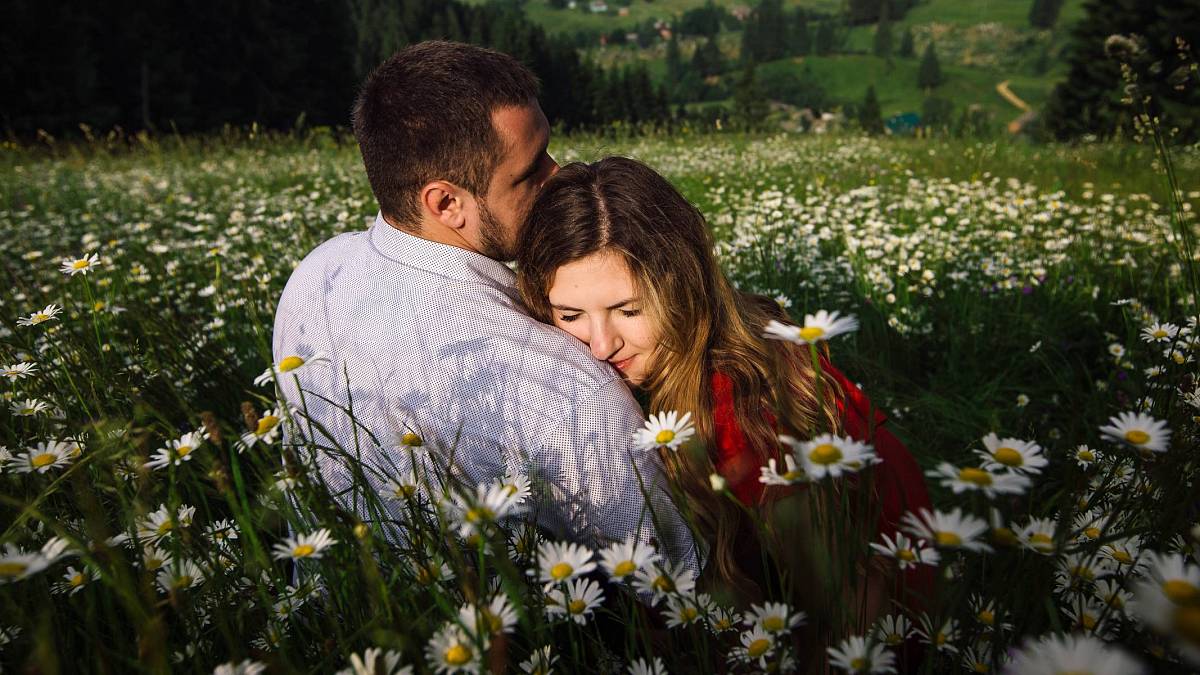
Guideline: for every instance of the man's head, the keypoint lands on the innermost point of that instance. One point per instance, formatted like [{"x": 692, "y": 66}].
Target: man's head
[{"x": 454, "y": 143}]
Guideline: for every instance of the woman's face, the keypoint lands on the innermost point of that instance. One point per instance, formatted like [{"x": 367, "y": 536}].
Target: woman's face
[{"x": 595, "y": 300}]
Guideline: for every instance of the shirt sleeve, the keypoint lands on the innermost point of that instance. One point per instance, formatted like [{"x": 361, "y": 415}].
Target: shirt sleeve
[{"x": 599, "y": 480}]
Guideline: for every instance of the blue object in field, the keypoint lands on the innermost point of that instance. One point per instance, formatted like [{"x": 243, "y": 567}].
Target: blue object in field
[{"x": 904, "y": 123}]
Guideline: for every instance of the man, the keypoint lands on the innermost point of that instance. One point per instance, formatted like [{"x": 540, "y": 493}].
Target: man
[{"x": 427, "y": 341}]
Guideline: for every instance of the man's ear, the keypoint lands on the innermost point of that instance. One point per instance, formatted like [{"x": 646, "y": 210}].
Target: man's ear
[{"x": 444, "y": 202}]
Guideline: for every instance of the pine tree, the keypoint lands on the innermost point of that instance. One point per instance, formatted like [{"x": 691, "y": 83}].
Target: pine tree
[
  {"x": 707, "y": 59},
  {"x": 674, "y": 59},
  {"x": 883, "y": 35},
  {"x": 801, "y": 36},
  {"x": 1044, "y": 13},
  {"x": 929, "y": 74},
  {"x": 825, "y": 37},
  {"x": 749, "y": 100},
  {"x": 772, "y": 30},
  {"x": 870, "y": 117},
  {"x": 906, "y": 44}
]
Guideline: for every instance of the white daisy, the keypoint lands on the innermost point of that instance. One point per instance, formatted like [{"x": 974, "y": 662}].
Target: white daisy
[
  {"x": 46, "y": 314},
  {"x": 1052, "y": 655},
  {"x": 46, "y": 456},
  {"x": 180, "y": 575},
  {"x": 451, "y": 650},
  {"x": 1084, "y": 456},
  {"x": 73, "y": 266},
  {"x": 791, "y": 475},
  {"x": 17, "y": 564},
  {"x": 893, "y": 629},
  {"x": 401, "y": 489},
  {"x": 973, "y": 479},
  {"x": 266, "y": 429},
  {"x": 623, "y": 559},
  {"x": 376, "y": 661},
  {"x": 643, "y": 667},
  {"x": 491, "y": 503},
  {"x": 684, "y": 610},
  {"x": 304, "y": 546},
  {"x": 517, "y": 485},
  {"x": 665, "y": 430},
  {"x": 1160, "y": 332},
  {"x": 574, "y": 600},
  {"x": 722, "y": 619},
  {"x": 20, "y": 370},
  {"x": 540, "y": 662},
  {"x": 1126, "y": 552},
  {"x": 829, "y": 455},
  {"x": 291, "y": 365},
  {"x": 661, "y": 581},
  {"x": 560, "y": 562},
  {"x": 1038, "y": 535},
  {"x": 1110, "y": 592},
  {"x": 177, "y": 451},
  {"x": 243, "y": 667},
  {"x": 73, "y": 580},
  {"x": 856, "y": 654},
  {"x": 1012, "y": 454},
  {"x": 1138, "y": 430},
  {"x": 817, "y": 327},
  {"x": 495, "y": 617},
  {"x": 907, "y": 552},
  {"x": 757, "y": 645},
  {"x": 947, "y": 530},
  {"x": 941, "y": 638},
  {"x": 773, "y": 617},
  {"x": 29, "y": 407}
]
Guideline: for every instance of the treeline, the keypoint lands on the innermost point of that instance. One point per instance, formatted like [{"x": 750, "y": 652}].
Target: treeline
[{"x": 195, "y": 65}]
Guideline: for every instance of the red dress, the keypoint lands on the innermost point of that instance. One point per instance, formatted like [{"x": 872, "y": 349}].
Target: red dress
[{"x": 899, "y": 483}]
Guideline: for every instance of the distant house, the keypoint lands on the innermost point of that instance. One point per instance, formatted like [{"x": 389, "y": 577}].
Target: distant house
[
  {"x": 624, "y": 11},
  {"x": 740, "y": 12},
  {"x": 598, "y": 6},
  {"x": 904, "y": 124},
  {"x": 631, "y": 37},
  {"x": 664, "y": 33}
]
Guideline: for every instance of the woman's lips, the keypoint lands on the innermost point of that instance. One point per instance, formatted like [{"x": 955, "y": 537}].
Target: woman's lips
[{"x": 623, "y": 364}]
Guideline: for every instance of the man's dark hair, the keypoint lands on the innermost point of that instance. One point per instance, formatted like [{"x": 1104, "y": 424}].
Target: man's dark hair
[{"x": 426, "y": 114}]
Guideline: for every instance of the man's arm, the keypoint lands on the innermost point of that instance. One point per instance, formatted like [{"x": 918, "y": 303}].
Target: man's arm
[{"x": 599, "y": 481}]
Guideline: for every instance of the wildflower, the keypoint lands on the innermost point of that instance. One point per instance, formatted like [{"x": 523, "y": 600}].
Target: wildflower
[
  {"x": 643, "y": 667},
  {"x": 829, "y": 455},
  {"x": 757, "y": 644},
  {"x": 540, "y": 662},
  {"x": 266, "y": 429},
  {"x": 665, "y": 430},
  {"x": 856, "y": 654},
  {"x": 769, "y": 474},
  {"x": 1085, "y": 456},
  {"x": 74, "y": 580},
  {"x": 517, "y": 485},
  {"x": 401, "y": 489},
  {"x": 623, "y": 559},
  {"x": 20, "y": 370},
  {"x": 497, "y": 616},
  {"x": 773, "y": 617},
  {"x": 491, "y": 503},
  {"x": 46, "y": 314},
  {"x": 1052, "y": 655},
  {"x": 309, "y": 545},
  {"x": 947, "y": 530},
  {"x": 972, "y": 479},
  {"x": 722, "y": 619},
  {"x": 47, "y": 455},
  {"x": 451, "y": 650},
  {"x": 1138, "y": 430},
  {"x": 1012, "y": 454},
  {"x": 907, "y": 552},
  {"x": 893, "y": 629},
  {"x": 817, "y": 327},
  {"x": 73, "y": 266},
  {"x": 177, "y": 451},
  {"x": 940, "y": 638},
  {"x": 1038, "y": 535},
  {"x": 1089, "y": 616},
  {"x": 1125, "y": 552},
  {"x": 154, "y": 558},
  {"x": 685, "y": 610},
  {"x": 576, "y": 599},
  {"x": 244, "y": 667},
  {"x": 181, "y": 575},
  {"x": 17, "y": 564},
  {"x": 1112, "y": 594},
  {"x": 291, "y": 365},
  {"x": 1022, "y": 400},
  {"x": 562, "y": 562},
  {"x": 717, "y": 482},
  {"x": 29, "y": 407},
  {"x": 662, "y": 581},
  {"x": 1160, "y": 332},
  {"x": 376, "y": 661}
]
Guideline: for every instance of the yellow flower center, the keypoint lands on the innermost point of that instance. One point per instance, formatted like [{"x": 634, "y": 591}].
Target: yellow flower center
[
  {"x": 457, "y": 655},
  {"x": 906, "y": 554},
  {"x": 980, "y": 667},
  {"x": 405, "y": 490},
  {"x": 664, "y": 584},
  {"x": 773, "y": 623},
  {"x": 948, "y": 539},
  {"x": 183, "y": 450},
  {"x": 561, "y": 571},
  {"x": 758, "y": 647},
  {"x": 303, "y": 551},
  {"x": 166, "y": 526},
  {"x": 154, "y": 563},
  {"x": 77, "y": 580},
  {"x": 1181, "y": 592},
  {"x": 688, "y": 614},
  {"x": 576, "y": 606},
  {"x": 493, "y": 622},
  {"x": 412, "y": 440},
  {"x": 939, "y": 639},
  {"x": 1082, "y": 572},
  {"x": 986, "y": 617},
  {"x": 665, "y": 436},
  {"x": 266, "y": 424},
  {"x": 1159, "y": 334},
  {"x": 1121, "y": 556},
  {"x": 975, "y": 476},
  {"x": 1087, "y": 622},
  {"x": 12, "y": 569},
  {"x": 1086, "y": 455},
  {"x": 893, "y": 638},
  {"x": 1092, "y": 532},
  {"x": 1186, "y": 622},
  {"x": 79, "y": 265},
  {"x": 1136, "y": 436},
  {"x": 1008, "y": 456},
  {"x": 1041, "y": 540},
  {"x": 40, "y": 317},
  {"x": 825, "y": 453},
  {"x": 183, "y": 581},
  {"x": 481, "y": 513},
  {"x": 1115, "y": 601},
  {"x": 811, "y": 333},
  {"x": 43, "y": 459},
  {"x": 290, "y": 363},
  {"x": 793, "y": 475},
  {"x": 624, "y": 568}
]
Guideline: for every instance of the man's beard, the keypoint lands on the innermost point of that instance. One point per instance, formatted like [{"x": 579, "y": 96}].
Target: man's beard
[{"x": 491, "y": 236}]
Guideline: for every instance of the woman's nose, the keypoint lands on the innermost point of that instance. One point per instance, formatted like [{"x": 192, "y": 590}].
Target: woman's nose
[{"x": 605, "y": 341}]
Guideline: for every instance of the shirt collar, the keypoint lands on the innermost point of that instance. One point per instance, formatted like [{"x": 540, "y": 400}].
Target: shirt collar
[{"x": 443, "y": 259}]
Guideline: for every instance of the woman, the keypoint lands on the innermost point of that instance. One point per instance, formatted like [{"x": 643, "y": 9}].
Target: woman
[{"x": 614, "y": 255}]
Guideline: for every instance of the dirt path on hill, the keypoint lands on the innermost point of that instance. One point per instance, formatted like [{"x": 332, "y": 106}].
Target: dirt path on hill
[{"x": 1008, "y": 95}]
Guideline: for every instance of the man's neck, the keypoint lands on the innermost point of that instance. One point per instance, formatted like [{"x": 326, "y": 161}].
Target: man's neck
[{"x": 435, "y": 233}]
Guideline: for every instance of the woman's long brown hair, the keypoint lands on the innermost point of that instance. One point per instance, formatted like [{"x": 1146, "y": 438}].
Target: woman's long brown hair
[{"x": 620, "y": 206}]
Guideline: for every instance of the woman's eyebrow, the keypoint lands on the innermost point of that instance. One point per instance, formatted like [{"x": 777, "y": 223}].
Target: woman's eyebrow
[{"x": 576, "y": 309}]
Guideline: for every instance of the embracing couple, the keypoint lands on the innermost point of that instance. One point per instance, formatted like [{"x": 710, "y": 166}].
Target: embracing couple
[{"x": 433, "y": 340}]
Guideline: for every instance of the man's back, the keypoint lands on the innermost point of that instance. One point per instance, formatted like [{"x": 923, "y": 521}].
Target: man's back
[{"x": 431, "y": 339}]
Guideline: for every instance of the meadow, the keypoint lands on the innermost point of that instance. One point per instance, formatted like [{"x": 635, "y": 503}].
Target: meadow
[{"x": 1027, "y": 323}]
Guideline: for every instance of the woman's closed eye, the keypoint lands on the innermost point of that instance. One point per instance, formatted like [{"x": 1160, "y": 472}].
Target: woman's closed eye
[
  {"x": 568, "y": 317},
  {"x": 630, "y": 313}
]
